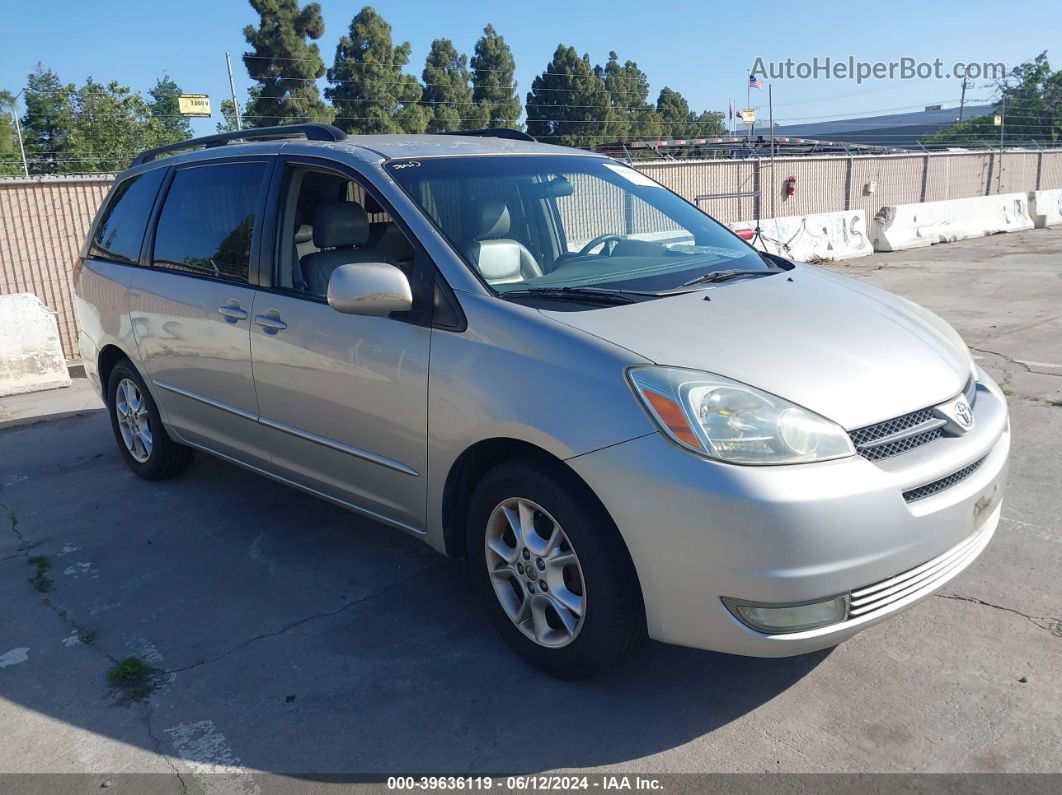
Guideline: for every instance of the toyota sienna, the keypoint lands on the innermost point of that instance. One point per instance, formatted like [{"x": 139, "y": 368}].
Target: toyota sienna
[{"x": 625, "y": 418}]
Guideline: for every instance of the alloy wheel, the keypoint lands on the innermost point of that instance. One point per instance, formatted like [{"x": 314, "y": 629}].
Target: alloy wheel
[
  {"x": 535, "y": 572},
  {"x": 133, "y": 422}
]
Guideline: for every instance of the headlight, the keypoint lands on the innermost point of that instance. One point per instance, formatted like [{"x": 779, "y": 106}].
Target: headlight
[{"x": 734, "y": 422}]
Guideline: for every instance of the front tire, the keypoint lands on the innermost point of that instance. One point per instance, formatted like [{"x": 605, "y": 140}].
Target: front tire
[
  {"x": 144, "y": 444},
  {"x": 553, "y": 570}
]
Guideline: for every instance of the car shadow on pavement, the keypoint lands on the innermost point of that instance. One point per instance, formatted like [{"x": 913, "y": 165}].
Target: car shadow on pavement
[{"x": 298, "y": 638}]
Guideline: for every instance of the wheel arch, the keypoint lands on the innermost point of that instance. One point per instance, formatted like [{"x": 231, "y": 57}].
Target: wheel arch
[
  {"x": 109, "y": 356},
  {"x": 476, "y": 460}
]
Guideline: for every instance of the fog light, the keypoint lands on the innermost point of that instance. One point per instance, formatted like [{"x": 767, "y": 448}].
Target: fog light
[{"x": 776, "y": 619}]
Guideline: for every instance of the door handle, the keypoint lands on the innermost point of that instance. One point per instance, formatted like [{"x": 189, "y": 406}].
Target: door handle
[
  {"x": 270, "y": 324},
  {"x": 232, "y": 312}
]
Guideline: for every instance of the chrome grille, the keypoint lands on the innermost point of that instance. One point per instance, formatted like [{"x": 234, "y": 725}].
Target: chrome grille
[
  {"x": 938, "y": 486},
  {"x": 898, "y": 435},
  {"x": 914, "y": 583},
  {"x": 904, "y": 433},
  {"x": 901, "y": 446},
  {"x": 873, "y": 433}
]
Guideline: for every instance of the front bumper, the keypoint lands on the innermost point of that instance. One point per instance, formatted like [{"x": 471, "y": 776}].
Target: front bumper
[{"x": 700, "y": 530}]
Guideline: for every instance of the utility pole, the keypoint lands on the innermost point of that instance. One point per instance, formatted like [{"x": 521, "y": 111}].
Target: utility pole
[
  {"x": 962, "y": 99},
  {"x": 18, "y": 131},
  {"x": 748, "y": 102},
  {"x": 770, "y": 120},
  {"x": 232, "y": 89}
]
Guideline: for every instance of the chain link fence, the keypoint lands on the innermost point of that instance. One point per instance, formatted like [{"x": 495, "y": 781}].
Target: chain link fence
[{"x": 43, "y": 221}]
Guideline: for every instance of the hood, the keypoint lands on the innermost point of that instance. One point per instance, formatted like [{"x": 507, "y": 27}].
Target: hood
[{"x": 850, "y": 352}]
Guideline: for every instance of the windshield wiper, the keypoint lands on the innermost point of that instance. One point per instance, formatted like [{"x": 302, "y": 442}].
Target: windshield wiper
[
  {"x": 594, "y": 294},
  {"x": 722, "y": 276}
]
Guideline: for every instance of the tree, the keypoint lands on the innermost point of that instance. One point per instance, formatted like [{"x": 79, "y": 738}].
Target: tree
[
  {"x": 49, "y": 118},
  {"x": 369, "y": 91},
  {"x": 10, "y": 159},
  {"x": 632, "y": 117},
  {"x": 285, "y": 64},
  {"x": 493, "y": 87},
  {"x": 707, "y": 124},
  {"x": 975, "y": 132},
  {"x": 678, "y": 121},
  {"x": 447, "y": 92},
  {"x": 98, "y": 127},
  {"x": 1030, "y": 103},
  {"x": 228, "y": 110},
  {"x": 172, "y": 126},
  {"x": 674, "y": 113},
  {"x": 1033, "y": 95},
  {"x": 111, "y": 125},
  {"x": 568, "y": 104},
  {"x": 228, "y": 116}
]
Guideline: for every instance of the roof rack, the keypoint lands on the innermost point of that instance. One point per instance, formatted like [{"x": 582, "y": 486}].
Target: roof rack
[
  {"x": 311, "y": 132},
  {"x": 495, "y": 132}
]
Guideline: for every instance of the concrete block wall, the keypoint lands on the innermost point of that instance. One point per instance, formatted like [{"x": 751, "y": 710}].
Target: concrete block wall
[
  {"x": 1045, "y": 207},
  {"x": 43, "y": 220},
  {"x": 31, "y": 354},
  {"x": 905, "y": 226},
  {"x": 43, "y": 223},
  {"x": 814, "y": 237}
]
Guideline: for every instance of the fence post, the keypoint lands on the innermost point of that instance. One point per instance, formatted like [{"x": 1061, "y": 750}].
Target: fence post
[
  {"x": 848, "y": 186},
  {"x": 628, "y": 213},
  {"x": 1039, "y": 167},
  {"x": 757, "y": 185},
  {"x": 925, "y": 176}
]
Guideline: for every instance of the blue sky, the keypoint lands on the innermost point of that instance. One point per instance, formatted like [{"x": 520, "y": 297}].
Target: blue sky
[{"x": 700, "y": 49}]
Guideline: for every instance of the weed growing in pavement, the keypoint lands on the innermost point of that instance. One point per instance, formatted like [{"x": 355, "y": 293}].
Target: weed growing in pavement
[
  {"x": 40, "y": 581},
  {"x": 131, "y": 680}
]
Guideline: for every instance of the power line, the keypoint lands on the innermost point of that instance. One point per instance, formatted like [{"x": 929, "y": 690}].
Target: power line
[{"x": 1041, "y": 115}]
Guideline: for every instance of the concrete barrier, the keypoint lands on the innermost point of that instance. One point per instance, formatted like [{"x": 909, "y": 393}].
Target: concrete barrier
[
  {"x": 811, "y": 238},
  {"x": 1045, "y": 207},
  {"x": 903, "y": 226},
  {"x": 31, "y": 355}
]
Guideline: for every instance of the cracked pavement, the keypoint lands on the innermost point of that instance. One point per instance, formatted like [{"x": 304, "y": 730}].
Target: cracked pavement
[{"x": 292, "y": 636}]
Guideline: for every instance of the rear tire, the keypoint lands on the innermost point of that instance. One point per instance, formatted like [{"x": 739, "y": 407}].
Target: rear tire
[
  {"x": 144, "y": 444},
  {"x": 566, "y": 598}
]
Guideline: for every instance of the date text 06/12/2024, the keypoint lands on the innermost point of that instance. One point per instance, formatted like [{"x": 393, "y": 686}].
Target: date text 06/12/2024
[{"x": 525, "y": 783}]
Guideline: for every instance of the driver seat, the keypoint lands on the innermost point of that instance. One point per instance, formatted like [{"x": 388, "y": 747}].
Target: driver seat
[
  {"x": 340, "y": 232},
  {"x": 500, "y": 260}
]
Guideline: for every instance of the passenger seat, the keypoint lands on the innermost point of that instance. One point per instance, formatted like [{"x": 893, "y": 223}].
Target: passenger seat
[{"x": 499, "y": 259}]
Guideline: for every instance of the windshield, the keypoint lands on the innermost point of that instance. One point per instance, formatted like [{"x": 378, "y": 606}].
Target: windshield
[{"x": 548, "y": 222}]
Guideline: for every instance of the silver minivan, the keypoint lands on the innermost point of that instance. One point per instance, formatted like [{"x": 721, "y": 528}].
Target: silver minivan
[{"x": 626, "y": 419}]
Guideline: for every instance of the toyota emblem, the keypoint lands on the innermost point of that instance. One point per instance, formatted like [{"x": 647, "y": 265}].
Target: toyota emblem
[{"x": 963, "y": 414}]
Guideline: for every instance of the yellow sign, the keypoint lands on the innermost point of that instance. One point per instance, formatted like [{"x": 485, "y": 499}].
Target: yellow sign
[
  {"x": 997, "y": 120},
  {"x": 194, "y": 105},
  {"x": 748, "y": 116}
]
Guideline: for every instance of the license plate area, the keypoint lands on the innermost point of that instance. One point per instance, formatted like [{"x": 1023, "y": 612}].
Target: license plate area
[{"x": 985, "y": 505}]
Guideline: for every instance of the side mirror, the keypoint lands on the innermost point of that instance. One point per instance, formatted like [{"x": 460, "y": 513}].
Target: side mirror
[{"x": 369, "y": 288}]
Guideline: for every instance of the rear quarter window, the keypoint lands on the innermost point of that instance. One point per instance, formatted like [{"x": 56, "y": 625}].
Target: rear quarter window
[{"x": 120, "y": 230}]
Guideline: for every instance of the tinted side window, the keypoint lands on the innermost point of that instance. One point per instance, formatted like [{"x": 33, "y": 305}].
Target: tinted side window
[
  {"x": 207, "y": 220},
  {"x": 121, "y": 228}
]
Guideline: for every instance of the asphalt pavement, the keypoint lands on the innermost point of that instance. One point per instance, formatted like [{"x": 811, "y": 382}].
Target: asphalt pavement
[{"x": 292, "y": 637}]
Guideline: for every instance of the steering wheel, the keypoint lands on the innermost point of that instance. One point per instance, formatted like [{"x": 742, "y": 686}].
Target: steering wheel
[{"x": 597, "y": 241}]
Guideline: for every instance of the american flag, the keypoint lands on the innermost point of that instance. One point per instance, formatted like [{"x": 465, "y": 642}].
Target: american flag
[{"x": 755, "y": 82}]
